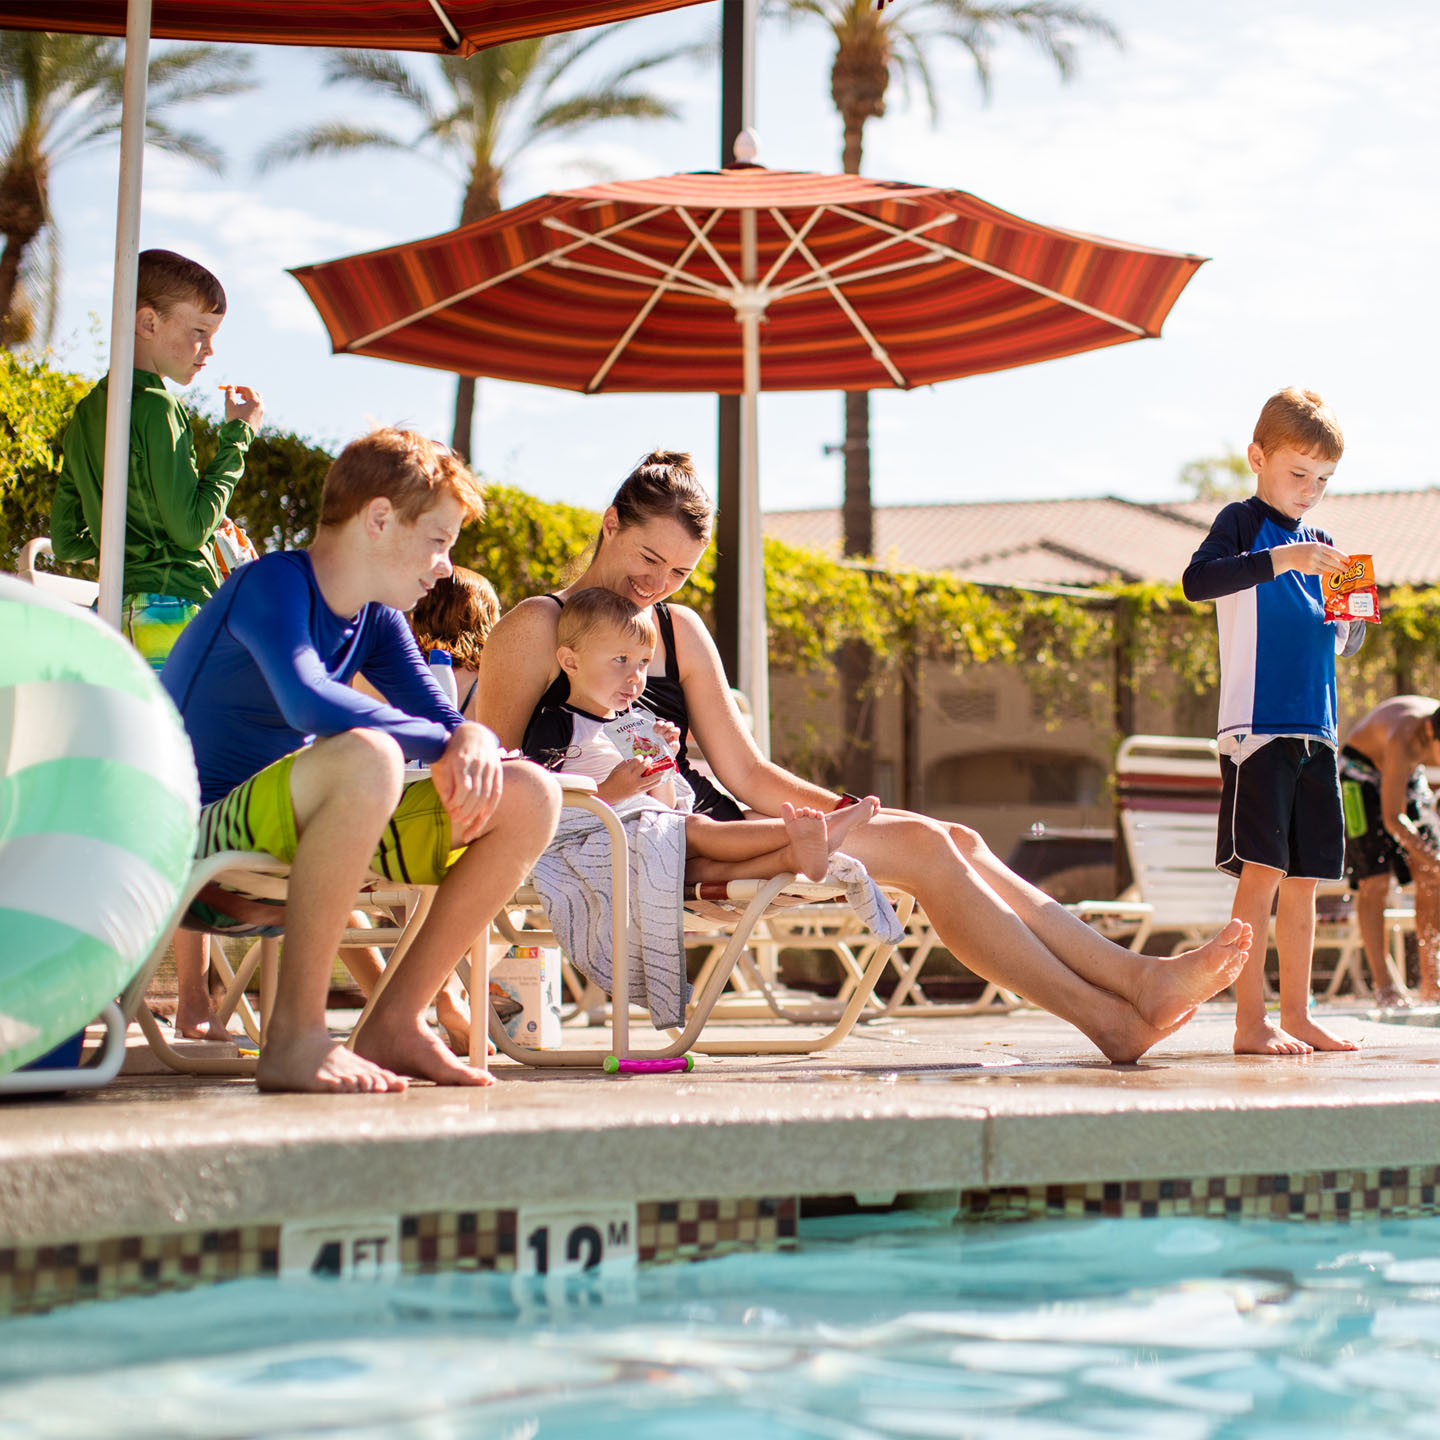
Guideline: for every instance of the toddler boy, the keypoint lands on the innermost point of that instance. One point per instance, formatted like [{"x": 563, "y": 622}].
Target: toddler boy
[
  {"x": 1281, "y": 827},
  {"x": 171, "y": 510},
  {"x": 605, "y": 646}
]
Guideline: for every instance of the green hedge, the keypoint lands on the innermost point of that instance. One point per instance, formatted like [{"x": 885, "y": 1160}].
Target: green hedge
[{"x": 1069, "y": 647}]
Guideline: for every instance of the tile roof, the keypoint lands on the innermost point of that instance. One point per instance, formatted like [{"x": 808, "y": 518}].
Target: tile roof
[{"x": 1084, "y": 542}]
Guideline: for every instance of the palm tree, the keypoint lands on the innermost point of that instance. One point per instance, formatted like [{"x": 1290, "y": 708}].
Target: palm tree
[
  {"x": 60, "y": 95},
  {"x": 874, "y": 45},
  {"x": 489, "y": 109}
]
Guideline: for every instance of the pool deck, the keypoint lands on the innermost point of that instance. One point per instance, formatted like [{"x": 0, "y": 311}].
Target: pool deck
[{"x": 989, "y": 1103}]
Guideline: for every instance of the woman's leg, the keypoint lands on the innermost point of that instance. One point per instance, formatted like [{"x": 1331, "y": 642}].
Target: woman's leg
[
  {"x": 1080, "y": 946},
  {"x": 1123, "y": 1002}
]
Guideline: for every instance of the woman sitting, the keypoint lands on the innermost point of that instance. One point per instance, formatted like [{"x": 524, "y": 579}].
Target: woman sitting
[{"x": 651, "y": 538}]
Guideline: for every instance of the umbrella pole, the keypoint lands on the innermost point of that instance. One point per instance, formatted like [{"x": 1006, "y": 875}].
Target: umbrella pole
[
  {"x": 122, "y": 314},
  {"x": 754, "y": 635}
]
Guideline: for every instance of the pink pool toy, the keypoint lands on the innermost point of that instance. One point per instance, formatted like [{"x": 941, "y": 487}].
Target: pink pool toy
[{"x": 615, "y": 1066}]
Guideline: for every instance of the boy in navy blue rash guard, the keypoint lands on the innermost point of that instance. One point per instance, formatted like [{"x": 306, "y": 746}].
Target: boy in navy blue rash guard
[
  {"x": 1281, "y": 827},
  {"x": 296, "y": 763}
]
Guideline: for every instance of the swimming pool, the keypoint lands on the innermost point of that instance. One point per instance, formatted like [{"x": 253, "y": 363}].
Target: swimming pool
[{"x": 900, "y": 1325}]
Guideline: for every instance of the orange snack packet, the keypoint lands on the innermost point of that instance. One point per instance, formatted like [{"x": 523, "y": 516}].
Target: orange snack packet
[{"x": 1352, "y": 594}]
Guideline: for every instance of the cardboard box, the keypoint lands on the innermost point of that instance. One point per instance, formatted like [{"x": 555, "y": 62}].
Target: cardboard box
[{"x": 525, "y": 989}]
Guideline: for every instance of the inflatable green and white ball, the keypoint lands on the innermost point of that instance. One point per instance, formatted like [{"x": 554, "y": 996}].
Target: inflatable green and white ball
[{"x": 98, "y": 806}]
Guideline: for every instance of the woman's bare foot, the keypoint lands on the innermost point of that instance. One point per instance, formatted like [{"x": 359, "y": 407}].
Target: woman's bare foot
[
  {"x": 839, "y": 823},
  {"x": 195, "y": 1018},
  {"x": 313, "y": 1061},
  {"x": 413, "y": 1048},
  {"x": 1317, "y": 1037},
  {"x": 809, "y": 850},
  {"x": 1267, "y": 1038},
  {"x": 1126, "y": 1037},
  {"x": 1428, "y": 995},
  {"x": 1171, "y": 988},
  {"x": 1391, "y": 997}
]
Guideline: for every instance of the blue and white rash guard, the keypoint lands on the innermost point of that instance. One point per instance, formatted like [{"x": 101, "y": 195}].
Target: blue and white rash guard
[{"x": 1277, "y": 651}]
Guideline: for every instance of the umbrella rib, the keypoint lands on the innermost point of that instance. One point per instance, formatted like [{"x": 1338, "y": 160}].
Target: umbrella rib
[
  {"x": 680, "y": 287},
  {"x": 805, "y": 284},
  {"x": 950, "y": 253},
  {"x": 445, "y": 20},
  {"x": 717, "y": 292},
  {"x": 849, "y": 311},
  {"x": 651, "y": 301},
  {"x": 703, "y": 237},
  {"x": 789, "y": 250},
  {"x": 548, "y": 258},
  {"x": 859, "y": 255}
]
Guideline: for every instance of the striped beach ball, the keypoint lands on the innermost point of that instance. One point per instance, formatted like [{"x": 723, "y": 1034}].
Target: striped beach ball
[{"x": 98, "y": 804}]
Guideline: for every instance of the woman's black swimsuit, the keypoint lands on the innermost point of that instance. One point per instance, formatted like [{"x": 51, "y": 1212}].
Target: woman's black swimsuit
[{"x": 548, "y": 734}]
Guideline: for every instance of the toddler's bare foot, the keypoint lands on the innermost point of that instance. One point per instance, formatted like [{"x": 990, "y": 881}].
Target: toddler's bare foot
[
  {"x": 839, "y": 823},
  {"x": 1170, "y": 988},
  {"x": 1267, "y": 1038},
  {"x": 312, "y": 1061},
  {"x": 1317, "y": 1037},
  {"x": 809, "y": 851},
  {"x": 413, "y": 1048}
]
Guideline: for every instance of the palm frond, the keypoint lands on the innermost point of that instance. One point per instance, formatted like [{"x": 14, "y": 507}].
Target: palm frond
[
  {"x": 602, "y": 105},
  {"x": 331, "y": 137},
  {"x": 185, "y": 143},
  {"x": 378, "y": 70}
]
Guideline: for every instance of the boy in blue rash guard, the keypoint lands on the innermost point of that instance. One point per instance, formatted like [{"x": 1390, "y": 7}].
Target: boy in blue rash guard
[
  {"x": 1281, "y": 827},
  {"x": 295, "y": 762}
]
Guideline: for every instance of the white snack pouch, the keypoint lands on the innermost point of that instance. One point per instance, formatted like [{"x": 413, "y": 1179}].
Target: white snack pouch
[{"x": 634, "y": 735}]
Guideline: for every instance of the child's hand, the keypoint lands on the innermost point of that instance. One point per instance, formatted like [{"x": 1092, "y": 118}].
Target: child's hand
[
  {"x": 1309, "y": 558},
  {"x": 626, "y": 779},
  {"x": 468, "y": 779},
  {"x": 243, "y": 403},
  {"x": 670, "y": 734}
]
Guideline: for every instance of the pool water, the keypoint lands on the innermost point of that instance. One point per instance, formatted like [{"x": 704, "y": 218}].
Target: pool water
[{"x": 899, "y": 1326}]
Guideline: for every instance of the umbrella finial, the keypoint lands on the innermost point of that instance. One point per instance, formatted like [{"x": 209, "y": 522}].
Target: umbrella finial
[{"x": 747, "y": 146}]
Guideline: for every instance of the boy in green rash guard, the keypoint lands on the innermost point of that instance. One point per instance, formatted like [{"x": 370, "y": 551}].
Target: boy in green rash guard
[{"x": 172, "y": 510}]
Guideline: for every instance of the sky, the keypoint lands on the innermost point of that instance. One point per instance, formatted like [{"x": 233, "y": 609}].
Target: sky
[{"x": 1292, "y": 143}]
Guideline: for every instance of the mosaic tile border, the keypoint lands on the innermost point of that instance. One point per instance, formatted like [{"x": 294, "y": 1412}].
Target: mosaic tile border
[
  {"x": 42, "y": 1277},
  {"x": 34, "y": 1278},
  {"x": 1397, "y": 1192}
]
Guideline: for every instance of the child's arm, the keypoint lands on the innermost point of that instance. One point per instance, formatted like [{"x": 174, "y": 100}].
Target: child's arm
[
  {"x": 70, "y": 536},
  {"x": 1224, "y": 564},
  {"x": 269, "y": 617},
  {"x": 190, "y": 505}
]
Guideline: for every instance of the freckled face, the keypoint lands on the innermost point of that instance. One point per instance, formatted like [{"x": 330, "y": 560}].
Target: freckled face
[
  {"x": 1288, "y": 480},
  {"x": 411, "y": 558},
  {"x": 648, "y": 562},
  {"x": 179, "y": 341}
]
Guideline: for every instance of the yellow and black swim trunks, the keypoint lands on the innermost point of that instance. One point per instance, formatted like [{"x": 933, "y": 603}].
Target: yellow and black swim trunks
[{"x": 414, "y": 849}]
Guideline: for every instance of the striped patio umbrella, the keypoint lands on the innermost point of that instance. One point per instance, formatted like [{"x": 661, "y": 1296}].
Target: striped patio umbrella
[
  {"x": 441, "y": 26},
  {"x": 457, "y": 26},
  {"x": 836, "y": 282}
]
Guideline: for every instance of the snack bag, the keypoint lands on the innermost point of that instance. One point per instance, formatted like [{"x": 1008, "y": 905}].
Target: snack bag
[
  {"x": 1352, "y": 594},
  {"x": 635, "y": 737},
  {"x": 231, "y": 547}
]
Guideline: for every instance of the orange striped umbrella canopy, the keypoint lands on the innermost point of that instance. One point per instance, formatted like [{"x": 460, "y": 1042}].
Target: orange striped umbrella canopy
[
  {"x": 636, "y": 286},
  {"x": 457, "y": 26}
]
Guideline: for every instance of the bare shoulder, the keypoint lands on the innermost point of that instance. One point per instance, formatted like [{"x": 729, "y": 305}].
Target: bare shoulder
[
  {"x": 692, "y": 639},
  {"x": 526, "y": 622}
]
